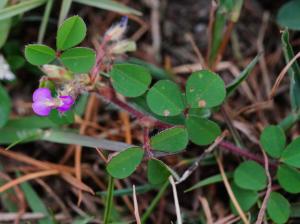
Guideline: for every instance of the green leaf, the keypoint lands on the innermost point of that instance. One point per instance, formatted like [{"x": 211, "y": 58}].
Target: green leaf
[
  {"x": 130, "y": 80},
  {"x": 205, "y": 89},
  {"x": 289, "y": 179},
  {"x": 39, "y": 54},
  {"x": 4, "y": 30},
  {"x": 231, "y": 87},
  {"x": 250, "y": 175},
  {"x": 278, "y": 208},
  {"x": 200, "y": 112},
  {"x": 140, "y": 103},
  {"x": 208, "y": 181},
  {"x": 36, "y": 204},
  {"x": 70, "y": 33},
  {"x": 293, "y": 71},
  {"x": 288, "y": 15},
  {"x": 20, "y": 8},
  {"x": 201, "y": 131},
  {"x": 109, "y": 5},
  {"x": 66, "y": 118},
  {"x": 170, "y": 140},
  {"x": 245, "y": 198},
  {"x": 5, "y": 106},
  {"x": 125, "y": 163},
  {"x": 79, "y": 59},
  {"x": 273, "y": 140},
  {"x": 291, "y": 155},
  {"x": 155, "y": 71},
  {"x": 165, "y": 99},
  {"x": 128, "y": 191},
  {"x": 157, "y": 172}
]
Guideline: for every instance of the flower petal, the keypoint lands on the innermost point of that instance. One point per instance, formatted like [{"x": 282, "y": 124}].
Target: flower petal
[
  {"x": 41, "y": 94},
  {"x": 67, "y": 102},
  {"x": 41, "y": 109}
]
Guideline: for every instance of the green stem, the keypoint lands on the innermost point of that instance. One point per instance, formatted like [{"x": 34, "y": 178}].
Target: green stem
[
  {"x": 289, "y": 121},
  {"x": 45, "y": 20},
  {"x": 109, "y": 199},
  {"x": 155, "y": 202}
]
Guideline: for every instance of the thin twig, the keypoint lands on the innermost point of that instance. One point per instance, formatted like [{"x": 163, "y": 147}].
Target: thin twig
[
  {"x": 206, "y": 209},
  {"x": 230, "y": 192},
  {"x": 195, "y": 165},
  {"x": 262, "y": 210},
  {"x": 178, "y": 213},
  {"x": 27, "y": 177},
  {"x": 282, "y": 74},
  {"x": 136, "y": 207}
]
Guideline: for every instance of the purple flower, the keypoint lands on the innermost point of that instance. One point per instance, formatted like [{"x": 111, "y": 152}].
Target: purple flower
[
  {"x": 67, "y": 102},
  {"x": 43, "y": 102},
  {"x": 123, "y": 22}
]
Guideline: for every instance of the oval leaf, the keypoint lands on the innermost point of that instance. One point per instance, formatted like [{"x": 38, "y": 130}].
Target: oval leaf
[
  {"x": 71, "y": 32},
  {"x": 289, "y": 179},
  {"x": 39, "y": 54},
  {"x": 250, "y": 175},
  {"x": 170, "y": 140},
  {"x": 165, "y": 99},
  {"x": 157, "y": 172},
  {"x": 278, "y": 208},
  {"x": 5, "y": 106},
  {"x": 79, "y": 59},
  {"x": 245, "y": 198},
  {"x": 288, "y": 15},
  {"x": 130, "y": 80},
  {"x": 125, "y": 163},
  {"x": 205, "y": 89},
  {"x": 273, "y": 140},
  {"x": 291, "y": 155},
  {"x": 201, "y": 131}
]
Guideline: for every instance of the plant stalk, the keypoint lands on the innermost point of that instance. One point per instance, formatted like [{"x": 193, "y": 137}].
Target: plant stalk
[
  {"x": 155, "y": 202},
  {"x": 109, "y": 200}
]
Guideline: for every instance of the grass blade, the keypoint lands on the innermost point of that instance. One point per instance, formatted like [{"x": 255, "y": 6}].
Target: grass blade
[
  {"x": 294, "y": 71},
  {"x": 208, "y": 181},
  {"x": 64, "y": 10},
  {"x": 109, "y": 5},
  {"x": 36, "y": 204},
  {"x": 128, "y": 191},
  {"x": 109, "y": 200},
  {"x": 20, "y": 8},
  {"x": 45, "y": 20},
  {"x": 230, "y": 88}
]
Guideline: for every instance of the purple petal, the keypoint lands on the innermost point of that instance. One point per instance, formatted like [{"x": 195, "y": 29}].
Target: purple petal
[
  {"x": 67, "y": 102},
  {"x": 41, "y": 94},
  {"x": 41, "y": 109},
  {"x": 123, "y": 22}
]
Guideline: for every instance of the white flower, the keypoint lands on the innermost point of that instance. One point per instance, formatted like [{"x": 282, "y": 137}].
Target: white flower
[{"x": 5, "y": 72}]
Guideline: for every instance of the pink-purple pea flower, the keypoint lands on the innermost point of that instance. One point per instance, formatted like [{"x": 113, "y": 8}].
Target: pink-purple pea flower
[{"x": 43, "y": 102}]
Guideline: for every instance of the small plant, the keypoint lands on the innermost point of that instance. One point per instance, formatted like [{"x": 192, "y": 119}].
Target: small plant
[
  {"x": 86, "y": 71},
  {"x": 183, "y": 112},
  {"x": 174, "y": 115}
]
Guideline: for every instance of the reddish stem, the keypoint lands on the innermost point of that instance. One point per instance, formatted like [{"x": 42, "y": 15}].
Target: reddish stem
[{"x": 244, "y": 153}]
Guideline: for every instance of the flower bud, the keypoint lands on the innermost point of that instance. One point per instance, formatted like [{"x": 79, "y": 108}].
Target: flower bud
[
  {"x": 56, "y": 72},
  {"x": 116, "y": 32},
  {"x": 123, "y": 46}
]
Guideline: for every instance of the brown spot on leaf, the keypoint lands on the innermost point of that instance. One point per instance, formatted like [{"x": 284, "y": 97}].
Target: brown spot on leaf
[
  {"x": 201, "y": 103},
  {"x": 166, "y": 113}
]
